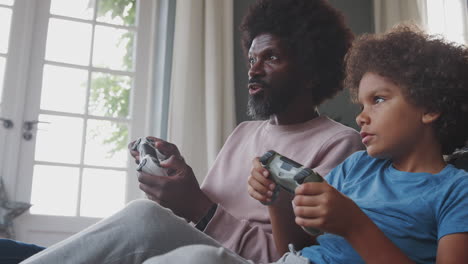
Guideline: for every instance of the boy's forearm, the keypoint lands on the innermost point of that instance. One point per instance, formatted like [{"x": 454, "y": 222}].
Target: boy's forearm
[
  {"x": 285, "y": 229},
  {"x": 372, "y": 244}
]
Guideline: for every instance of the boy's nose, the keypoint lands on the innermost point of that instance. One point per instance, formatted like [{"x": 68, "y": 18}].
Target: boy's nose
[{"x": 362, "y": 119}]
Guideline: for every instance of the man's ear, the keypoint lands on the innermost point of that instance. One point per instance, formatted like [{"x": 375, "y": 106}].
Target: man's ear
[{"x": 430, "y": 117}]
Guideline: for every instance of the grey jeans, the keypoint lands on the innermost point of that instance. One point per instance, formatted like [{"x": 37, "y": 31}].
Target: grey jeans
[
  {"x": 203, "y": 254},
  {"x": 142, "y": 232}
]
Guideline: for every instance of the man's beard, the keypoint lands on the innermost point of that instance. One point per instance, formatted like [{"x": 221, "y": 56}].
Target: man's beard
[{"x": 261, "y": 106}]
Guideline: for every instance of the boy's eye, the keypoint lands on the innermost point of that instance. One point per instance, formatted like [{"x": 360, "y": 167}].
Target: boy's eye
[{"x": 378, "y": 100}]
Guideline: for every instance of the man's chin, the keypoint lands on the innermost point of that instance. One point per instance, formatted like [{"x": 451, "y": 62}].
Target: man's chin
[{"x": 258, "y": 108}]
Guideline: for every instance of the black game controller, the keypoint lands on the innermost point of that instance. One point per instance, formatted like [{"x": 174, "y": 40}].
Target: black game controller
[
  {"x": 150, "y": 157},
  {"x": 288, "y": 175}
]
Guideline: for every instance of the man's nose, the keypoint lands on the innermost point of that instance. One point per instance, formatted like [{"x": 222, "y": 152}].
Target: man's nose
[{"x": 256, "y": 69}]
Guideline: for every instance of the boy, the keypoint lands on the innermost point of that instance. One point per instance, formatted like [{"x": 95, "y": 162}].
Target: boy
[{"x": 398, "y": 202}]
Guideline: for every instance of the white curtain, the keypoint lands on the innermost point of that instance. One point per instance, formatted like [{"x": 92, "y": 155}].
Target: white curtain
[
  {"x": 449, "y": 18},
  {"x": 388, "y": 13},
  {"x": 446, "y": 17},
  {"x": 201, "y": 108}
]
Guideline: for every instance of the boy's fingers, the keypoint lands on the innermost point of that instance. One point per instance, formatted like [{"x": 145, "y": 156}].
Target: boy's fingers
[
  {"x": 311, "y": 188},
  {"x": 260, "y": 177},
  {"x": 257, "y": 165},
  {"x": 259, "y": 186},
  {"x": 308, "y": 200},
  {"x": 256, "y": 195}
]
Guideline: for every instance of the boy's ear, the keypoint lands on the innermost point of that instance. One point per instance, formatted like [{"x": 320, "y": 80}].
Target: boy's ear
[{"x": 430, "y": 117}]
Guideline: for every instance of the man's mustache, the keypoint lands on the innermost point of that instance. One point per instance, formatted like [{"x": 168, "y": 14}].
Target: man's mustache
[{"x": 258, "y": 81}]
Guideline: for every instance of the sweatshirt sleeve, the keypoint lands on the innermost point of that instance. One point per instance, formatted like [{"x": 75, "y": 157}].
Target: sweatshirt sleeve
[
  {"x": 336, "y": 150},
  {"x": 249, "y": 241}
]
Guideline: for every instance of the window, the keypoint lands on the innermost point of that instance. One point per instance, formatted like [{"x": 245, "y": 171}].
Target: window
[
  {"x": 78, "y": 80},
  {"x": 448, "y": 18},
  {"x": 5, "y": 25}
]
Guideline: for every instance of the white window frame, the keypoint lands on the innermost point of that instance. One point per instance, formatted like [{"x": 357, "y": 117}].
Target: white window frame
[{"x": 151, "y": 76}]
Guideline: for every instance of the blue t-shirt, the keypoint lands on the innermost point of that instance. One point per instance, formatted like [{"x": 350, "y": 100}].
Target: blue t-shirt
[{"x": 414, "y": 210}]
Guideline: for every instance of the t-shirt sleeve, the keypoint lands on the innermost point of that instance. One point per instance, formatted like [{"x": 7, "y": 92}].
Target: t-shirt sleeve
[
  {"x": 337, "y": 176},
  {"x": 453, "y": 215},
  {"x": 250, "y": 241},
  {"x": 336, "y": 150}
]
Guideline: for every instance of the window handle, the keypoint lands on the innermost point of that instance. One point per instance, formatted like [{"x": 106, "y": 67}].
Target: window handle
[
  {"x": 7, "y": 123},
  {"x": 28, "y": 126}
]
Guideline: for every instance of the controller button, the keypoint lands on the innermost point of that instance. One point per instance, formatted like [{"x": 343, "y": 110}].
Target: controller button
[
  {"x": 266, "y": 157},
  {"x": 300, "y": 176}
]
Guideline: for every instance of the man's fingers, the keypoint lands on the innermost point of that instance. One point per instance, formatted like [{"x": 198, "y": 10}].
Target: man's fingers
[
  {"x": 152, "y": 180},
  {"x": 151, "y": 193},
  {"x": 130, "y": 145},
  {"x": 166, "y": 148},
  {"x": 175, "y": 162}
]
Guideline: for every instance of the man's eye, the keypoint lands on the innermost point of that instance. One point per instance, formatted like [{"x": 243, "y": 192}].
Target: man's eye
[
  {"x": 273, "y": 57},
  {"x": 251, "y": 61}
]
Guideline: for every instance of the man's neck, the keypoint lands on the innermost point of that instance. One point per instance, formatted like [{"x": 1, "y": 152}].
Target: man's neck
[{"x": 293, "y": 117}]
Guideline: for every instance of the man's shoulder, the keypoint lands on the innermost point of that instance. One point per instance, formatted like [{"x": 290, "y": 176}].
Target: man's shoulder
[
  {"x": 336, "y": 127},
  {"x": 249, "y": 125},
  {"x": 331, "y": 131}
]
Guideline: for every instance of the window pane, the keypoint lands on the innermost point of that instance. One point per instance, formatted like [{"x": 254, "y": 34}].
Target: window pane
[
  {"x": 68, "y": 42},
  {"x": 77, "y": 8},
  {"x": 7, "y": 2},
  {"x": 106, "y": 143},
  {"x": 64, "y": 89},
  {"x": 109, "y": 95},
  {"x": 60, "y": 139},
  {"x": 113, "y": 48},
  {"x": 2, "y": 74},
  {"x": 102, "y": 193},
  {"x": 117, "y": 12},
  {"x": 5, "y": 23},
  {"x": 446, "y": 18},
  {"x": 54, "y": 190}
]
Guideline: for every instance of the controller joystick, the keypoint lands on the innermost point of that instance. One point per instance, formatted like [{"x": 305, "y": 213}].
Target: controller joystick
[{"x": 150, "y": 157}]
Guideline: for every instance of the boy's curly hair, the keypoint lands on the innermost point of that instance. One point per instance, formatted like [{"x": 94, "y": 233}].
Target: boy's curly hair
[
  {"x": 431, "y": 72},
  {"x": 312, "y": 31}
]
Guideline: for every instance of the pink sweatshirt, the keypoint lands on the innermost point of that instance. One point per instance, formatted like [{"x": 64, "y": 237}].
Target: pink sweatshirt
[{"x": 241, "y": 223}]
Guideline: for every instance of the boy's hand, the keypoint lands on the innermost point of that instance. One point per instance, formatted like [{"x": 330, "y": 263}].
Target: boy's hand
[
  {"x": 321, "y": 206},
  {"x": 258, "y": 185}
]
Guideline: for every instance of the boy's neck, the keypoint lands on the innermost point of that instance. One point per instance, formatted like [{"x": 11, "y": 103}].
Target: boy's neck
[
  {"x": 424, "y": 159},
  {"x": 434, "y": 166}
]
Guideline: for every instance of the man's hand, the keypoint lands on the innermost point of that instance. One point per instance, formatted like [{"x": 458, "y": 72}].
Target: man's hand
[
  {"x": 321, "y": 206},
  {"x": 179, "y": 191}
]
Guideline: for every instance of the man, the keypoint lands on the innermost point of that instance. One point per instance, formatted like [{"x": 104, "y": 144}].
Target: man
[{"x": 295, "y": 51}]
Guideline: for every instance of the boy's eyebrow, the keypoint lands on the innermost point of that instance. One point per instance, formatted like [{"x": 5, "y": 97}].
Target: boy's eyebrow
[{"x": 381, "y": 89}]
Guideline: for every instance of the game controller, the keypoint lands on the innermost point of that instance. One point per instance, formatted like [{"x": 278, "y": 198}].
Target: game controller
[
  {"x": 288, "y": 174},
  {"x": 150, "y": 157}
]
